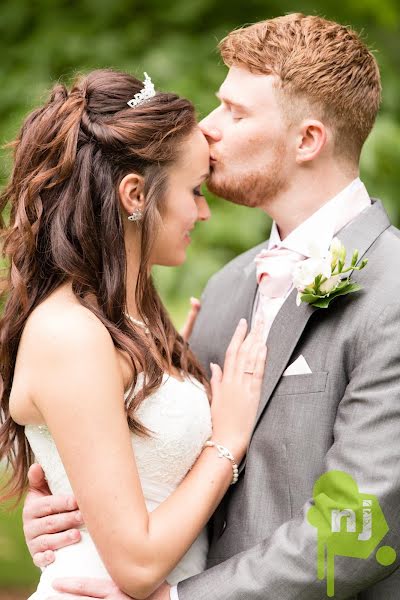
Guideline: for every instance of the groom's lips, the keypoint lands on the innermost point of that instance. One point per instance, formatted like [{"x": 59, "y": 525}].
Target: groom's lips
[{"x": 213, "y": 162}]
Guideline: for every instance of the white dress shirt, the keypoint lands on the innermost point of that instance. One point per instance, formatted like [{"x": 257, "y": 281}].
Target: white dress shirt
[{"x": 319, "y": 230}]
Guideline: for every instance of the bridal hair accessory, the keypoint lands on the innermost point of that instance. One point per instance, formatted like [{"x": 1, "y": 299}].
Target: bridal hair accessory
[
  {"x": 145, "y": 93},
  {"x": 225, "y": 453},
  {"x": 137, "y": 215},
  {"x": 319, "y": 279}
]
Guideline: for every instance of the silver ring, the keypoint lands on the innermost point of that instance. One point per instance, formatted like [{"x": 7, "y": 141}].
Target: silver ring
[{"x": 249, "y": 372}]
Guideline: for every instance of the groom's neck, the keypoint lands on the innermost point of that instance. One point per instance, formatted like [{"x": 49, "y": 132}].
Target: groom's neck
[{"x": 304, "y": 195}]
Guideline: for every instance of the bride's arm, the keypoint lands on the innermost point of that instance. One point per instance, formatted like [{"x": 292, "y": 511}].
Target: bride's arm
[{"x": 78, "y": 388}]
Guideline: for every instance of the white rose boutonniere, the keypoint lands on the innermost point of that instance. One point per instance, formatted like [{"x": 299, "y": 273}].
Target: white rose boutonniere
[{"x": 320, "y": 278}]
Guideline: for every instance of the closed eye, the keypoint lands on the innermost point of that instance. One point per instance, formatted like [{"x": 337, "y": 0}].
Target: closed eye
[
  {"x": 197, "y": 191},
  {"x": 231, "y": 106}
]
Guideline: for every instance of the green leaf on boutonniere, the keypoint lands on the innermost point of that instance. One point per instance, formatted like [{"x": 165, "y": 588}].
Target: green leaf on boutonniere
[
  {"x": 344, "y": 288},
  {"x": 310, "y": 298}
]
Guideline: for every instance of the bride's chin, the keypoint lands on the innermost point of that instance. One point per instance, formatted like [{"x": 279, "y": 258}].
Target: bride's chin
[
  {"x": 175, "y": 261},
  {"x": 179, "y": 260}
]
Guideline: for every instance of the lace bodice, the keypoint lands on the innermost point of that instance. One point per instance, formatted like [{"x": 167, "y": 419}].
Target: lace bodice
[{"x": 179, "y": 419}]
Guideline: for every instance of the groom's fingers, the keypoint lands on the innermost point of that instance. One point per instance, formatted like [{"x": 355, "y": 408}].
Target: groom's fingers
[
  {"x": 48, "y": 527},
  {"x": 57, "y": 523},
  {"x": 54, "y": 541},
  {"x": 49, "y": 505},
  {"x": 43, "y": 559},
  {"x": 37, "y": 480},
  {"x": 87, "y": 588}
]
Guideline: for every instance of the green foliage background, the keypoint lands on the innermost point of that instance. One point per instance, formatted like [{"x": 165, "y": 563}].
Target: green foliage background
[{"x": 42, "y": 41}]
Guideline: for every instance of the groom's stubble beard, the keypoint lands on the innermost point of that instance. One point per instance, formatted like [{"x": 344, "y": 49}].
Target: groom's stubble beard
[{"x": 252, "y": 188}]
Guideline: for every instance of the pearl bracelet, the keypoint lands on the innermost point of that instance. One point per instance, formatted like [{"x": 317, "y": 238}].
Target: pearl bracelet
[{"x": 225, "y": 453}]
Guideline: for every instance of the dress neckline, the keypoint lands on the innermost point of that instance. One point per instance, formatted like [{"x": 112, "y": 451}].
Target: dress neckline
[{"x": 166, "y": 376}]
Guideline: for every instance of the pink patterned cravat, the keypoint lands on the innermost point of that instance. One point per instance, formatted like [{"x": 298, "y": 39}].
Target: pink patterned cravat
[
  {"x": 274, "y": 276},
  {"x": 274, "y": 271}
]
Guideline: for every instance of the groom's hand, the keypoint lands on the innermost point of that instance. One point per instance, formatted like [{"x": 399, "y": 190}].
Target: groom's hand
[
  {"x": 49, "y": 521},
  {"x": 99, "y": 589}
]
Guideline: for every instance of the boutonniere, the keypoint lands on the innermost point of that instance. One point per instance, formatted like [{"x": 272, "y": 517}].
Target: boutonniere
[{"x": 321, "y": 278}]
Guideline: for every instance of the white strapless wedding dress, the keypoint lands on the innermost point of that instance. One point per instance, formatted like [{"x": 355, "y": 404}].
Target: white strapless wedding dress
[{"x": 178, "y": 414}]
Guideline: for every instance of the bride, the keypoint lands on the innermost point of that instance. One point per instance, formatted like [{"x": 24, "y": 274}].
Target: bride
[{"x": 95, "y": 381}]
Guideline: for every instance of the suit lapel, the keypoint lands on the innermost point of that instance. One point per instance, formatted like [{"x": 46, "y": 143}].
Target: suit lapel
[
  {"x": 245, "y": 296},
  {"x": 362, "y": 232},
  {"x": 283, "y": 337},
  {"x": 240, "y": 299}
]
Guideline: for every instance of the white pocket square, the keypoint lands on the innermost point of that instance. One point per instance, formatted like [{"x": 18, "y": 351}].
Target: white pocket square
[{"x": 298, "y": 367}]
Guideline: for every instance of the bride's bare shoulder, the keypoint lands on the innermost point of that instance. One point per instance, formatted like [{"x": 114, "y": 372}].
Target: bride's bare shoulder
[
  {"x": 58, "y": 329},
  {"x": 62, "y": 319}
]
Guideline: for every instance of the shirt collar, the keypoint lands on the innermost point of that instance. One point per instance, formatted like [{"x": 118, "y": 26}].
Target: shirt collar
[{"x": 319, "y": 229}]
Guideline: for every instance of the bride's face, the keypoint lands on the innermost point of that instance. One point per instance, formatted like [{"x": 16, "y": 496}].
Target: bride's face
[{"x": 184, "y": 203}]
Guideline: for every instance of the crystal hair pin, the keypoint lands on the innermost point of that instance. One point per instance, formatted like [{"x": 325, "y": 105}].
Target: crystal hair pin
[{"x": 145, "y": 93}]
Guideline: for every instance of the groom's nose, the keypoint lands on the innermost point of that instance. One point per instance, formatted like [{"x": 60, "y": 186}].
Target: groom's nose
[{"x": 212, "y": 133}]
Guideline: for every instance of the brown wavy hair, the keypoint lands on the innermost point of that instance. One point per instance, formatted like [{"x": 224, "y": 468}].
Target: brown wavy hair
[{"x": 66, "y": 224}]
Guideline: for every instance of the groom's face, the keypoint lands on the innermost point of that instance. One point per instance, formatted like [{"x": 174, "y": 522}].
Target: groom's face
[{"x": 249, "y": 140}]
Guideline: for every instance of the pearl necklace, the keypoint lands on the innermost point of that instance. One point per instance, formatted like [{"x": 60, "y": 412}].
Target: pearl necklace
[{"x": 138, "y": 323}]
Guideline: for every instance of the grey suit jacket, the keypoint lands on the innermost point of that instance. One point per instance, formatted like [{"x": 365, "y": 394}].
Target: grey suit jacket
[{"x": 345, "y": 416}]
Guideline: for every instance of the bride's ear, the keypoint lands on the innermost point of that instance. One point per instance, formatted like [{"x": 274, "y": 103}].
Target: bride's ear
[{"x": 130, "y": 191}]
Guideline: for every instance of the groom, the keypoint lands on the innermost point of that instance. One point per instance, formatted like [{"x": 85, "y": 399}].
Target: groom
[{"x": 299, "y": 100}]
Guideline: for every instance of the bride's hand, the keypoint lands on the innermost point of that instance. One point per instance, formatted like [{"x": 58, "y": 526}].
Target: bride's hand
[
  {"x": 187, "y": 329},
  {"x": 236, "y": 391}
]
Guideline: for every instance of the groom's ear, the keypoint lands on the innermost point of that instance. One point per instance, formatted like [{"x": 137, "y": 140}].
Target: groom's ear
[{"x": 312, "y": 137}]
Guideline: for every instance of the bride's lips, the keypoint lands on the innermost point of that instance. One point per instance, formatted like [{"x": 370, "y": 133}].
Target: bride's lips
[{"x": 187, "y": 235}]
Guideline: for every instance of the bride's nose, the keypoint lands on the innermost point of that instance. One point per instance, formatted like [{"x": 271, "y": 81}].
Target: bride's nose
[{"x": 203, "y": 210}]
